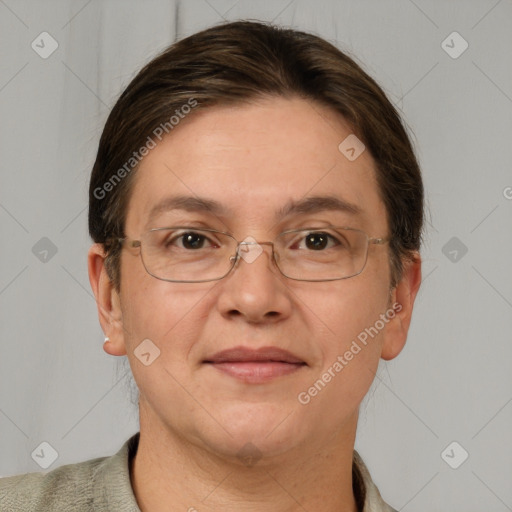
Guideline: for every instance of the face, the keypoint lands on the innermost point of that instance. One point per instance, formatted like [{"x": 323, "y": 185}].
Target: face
[{"x": 254, "y": 161}]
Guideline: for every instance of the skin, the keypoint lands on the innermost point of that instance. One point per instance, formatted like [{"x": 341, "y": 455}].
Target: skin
[{"x": 194, "y": 419}]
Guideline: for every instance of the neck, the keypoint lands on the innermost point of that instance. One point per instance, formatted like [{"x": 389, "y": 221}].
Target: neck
[{"x": 169, "y": 472}]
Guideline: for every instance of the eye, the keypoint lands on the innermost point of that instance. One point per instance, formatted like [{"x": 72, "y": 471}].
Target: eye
[
  {"x": 190, "y": 240},
  {"x": 318, "y": 241}
]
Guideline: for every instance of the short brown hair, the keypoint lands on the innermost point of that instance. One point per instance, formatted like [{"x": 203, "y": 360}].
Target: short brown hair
[{"x": 237, "y": 62}]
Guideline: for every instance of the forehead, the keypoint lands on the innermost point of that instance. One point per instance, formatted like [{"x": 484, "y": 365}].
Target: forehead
[{"x": 255, "y": 161}]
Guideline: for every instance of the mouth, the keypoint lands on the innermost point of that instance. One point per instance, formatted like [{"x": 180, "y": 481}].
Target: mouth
[{"x": 256, "y": 366}]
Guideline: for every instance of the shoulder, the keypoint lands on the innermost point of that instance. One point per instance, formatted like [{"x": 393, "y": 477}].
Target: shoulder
[
  {"x": 365, "y": 490},
  {"x": 93, "y": 485},
  {"x": 65, "y": 488}
]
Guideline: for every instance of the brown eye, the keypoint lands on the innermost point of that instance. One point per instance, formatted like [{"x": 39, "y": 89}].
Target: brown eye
[
  {"x": 192, "y": 240},
  {"x": 317, "y": 241},
  {"x": 189, "y": 240}
]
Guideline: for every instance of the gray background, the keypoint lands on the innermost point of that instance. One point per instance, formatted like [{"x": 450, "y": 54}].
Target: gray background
[{"x": 453, "y": 380}]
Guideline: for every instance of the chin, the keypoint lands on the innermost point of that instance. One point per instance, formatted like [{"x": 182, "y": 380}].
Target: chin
[{"x": 256, "y": 430}]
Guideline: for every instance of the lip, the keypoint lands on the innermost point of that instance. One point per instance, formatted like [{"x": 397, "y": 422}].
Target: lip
[
  {"x": 256, "y": 366},
  {"x": 242, "y": 354}
]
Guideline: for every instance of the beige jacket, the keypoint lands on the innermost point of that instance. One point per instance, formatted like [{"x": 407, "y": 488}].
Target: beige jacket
[{"x": 103, "y": 485}]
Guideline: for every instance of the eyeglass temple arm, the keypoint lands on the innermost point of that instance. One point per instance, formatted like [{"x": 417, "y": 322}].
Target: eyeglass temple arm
[
  {"x": 378, "y": 241},
  {"x": 132, "y": 243}
]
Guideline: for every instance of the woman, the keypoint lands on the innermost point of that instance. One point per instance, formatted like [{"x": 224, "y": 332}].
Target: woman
[{"x": 256, "y": 209}]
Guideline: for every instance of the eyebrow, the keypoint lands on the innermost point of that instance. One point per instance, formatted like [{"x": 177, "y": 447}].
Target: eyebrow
[{"x": 312, "y": 204}]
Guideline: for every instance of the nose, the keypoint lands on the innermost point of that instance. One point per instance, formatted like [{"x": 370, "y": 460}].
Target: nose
[{"x": 255, "y": 290}]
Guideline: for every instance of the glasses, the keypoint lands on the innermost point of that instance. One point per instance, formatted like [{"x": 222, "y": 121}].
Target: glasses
[{"x": 184, "y": 254}]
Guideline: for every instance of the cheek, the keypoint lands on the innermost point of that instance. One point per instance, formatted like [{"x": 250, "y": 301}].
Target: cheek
[
  {"x": 356, "y": 327},
  {"x": 349, "y": 341},
  {"x": 156, "y": 310},
  {"x": 163, "y": 320},
  {"x": 342, "y": 311}
]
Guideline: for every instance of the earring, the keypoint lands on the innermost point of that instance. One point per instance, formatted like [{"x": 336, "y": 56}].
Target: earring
[{"x": 106, "y": 340}]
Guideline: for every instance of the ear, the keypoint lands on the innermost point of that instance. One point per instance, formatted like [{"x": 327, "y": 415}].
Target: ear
[
  {"x": 402, "y": 301},
  {"x": 107, "y": 301}
]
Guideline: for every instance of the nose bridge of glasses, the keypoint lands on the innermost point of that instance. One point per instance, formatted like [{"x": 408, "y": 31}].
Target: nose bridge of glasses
[
  {"x": 250, "y": 249},
  {"x": 252, "y": 241}
]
